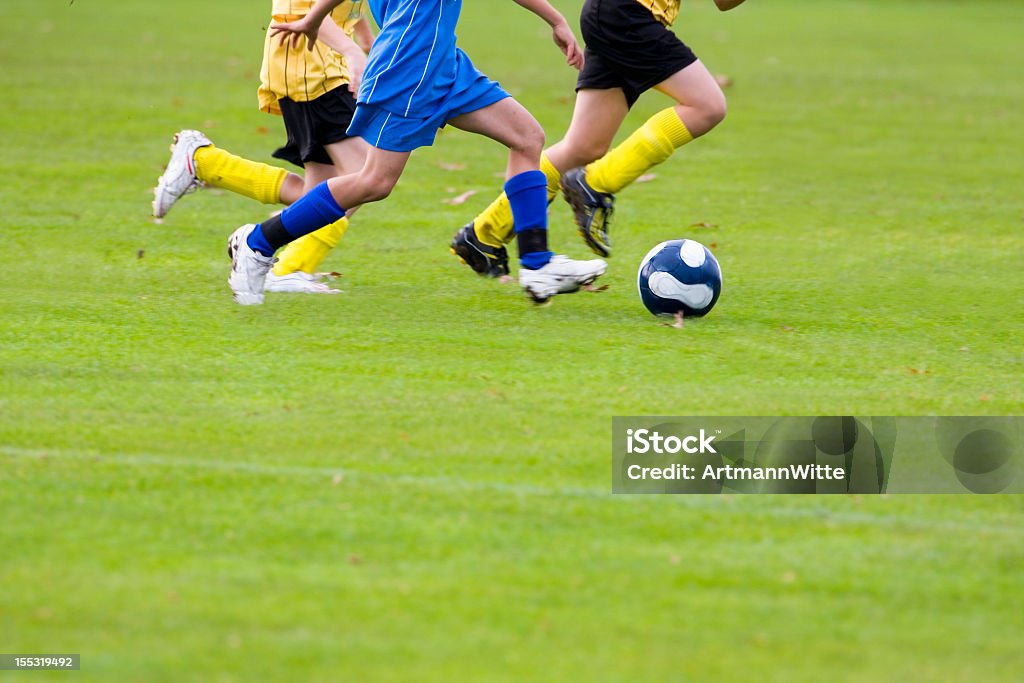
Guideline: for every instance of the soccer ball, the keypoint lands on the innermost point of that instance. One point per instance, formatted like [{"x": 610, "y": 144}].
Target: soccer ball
[{"x": 679, "y": 276}]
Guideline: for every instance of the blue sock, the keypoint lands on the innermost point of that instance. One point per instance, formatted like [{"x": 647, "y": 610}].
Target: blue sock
[
  {"x": 257, "y": 241},
  {"x": 312, "y": 212},
  {"x": 528, "y": 197}
]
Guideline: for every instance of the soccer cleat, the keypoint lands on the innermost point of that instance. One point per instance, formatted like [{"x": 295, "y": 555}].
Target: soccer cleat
[
  {"x": 179, "y": 178},
  {"x": 561, "y": 275},
  {"x": 593, "y": 210},
  {"x": 248, "y": 268},
  {"x": 484, "y": 259},
  {"x": 297, "y": 282}
]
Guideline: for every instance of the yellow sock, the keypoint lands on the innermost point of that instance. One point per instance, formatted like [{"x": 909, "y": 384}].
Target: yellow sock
[
  {"x": 553, "y": 176},
  {"x": 252, "y": 179},
  {"x": 494, "y": 226},
  {"x": 308, "y": 252},
  {"x": 650, "y": 145}
]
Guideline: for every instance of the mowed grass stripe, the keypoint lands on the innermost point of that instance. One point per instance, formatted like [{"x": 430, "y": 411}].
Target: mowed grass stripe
[{"x": 454, "y": 485}]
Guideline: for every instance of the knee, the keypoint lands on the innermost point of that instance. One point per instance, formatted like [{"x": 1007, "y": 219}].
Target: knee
[
  {"x": 376, "y": 187},
  {"x": 292, "y": 189},
  {"x": 716, "y": 110},
  {"x": 529, "y": 138},
  {"x": 588, "y": 150},
  {"x": 710, "y": 111}
]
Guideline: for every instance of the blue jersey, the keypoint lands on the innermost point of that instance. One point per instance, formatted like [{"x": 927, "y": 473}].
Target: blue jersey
[{"x": 414, "y": 63}]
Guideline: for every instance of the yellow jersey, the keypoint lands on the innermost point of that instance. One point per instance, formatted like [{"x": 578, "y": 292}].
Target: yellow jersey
[
  {"x": 664, "y": 11},
  {"x": 299, "y": 74}
]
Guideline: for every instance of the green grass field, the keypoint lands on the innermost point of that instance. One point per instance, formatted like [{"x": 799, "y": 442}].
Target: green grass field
[{"x": 410, "y": 482}]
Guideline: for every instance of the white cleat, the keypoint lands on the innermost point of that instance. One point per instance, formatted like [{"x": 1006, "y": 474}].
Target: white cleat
[
  {"x": 560, "y": 275},
  {"x": 179, "y": 177},
  {"x": 297, "y": 282},
  {"x": 248, "y": 268}
]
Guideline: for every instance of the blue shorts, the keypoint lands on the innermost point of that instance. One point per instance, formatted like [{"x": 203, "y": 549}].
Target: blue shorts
[{"x": 383, "y": 129}]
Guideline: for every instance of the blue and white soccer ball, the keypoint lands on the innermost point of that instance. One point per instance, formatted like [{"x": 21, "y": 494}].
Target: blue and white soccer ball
[{"x": 679, "y": 276}]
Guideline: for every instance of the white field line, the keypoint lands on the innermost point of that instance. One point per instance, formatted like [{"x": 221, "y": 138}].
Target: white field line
[{"x": 724, "y": 504}]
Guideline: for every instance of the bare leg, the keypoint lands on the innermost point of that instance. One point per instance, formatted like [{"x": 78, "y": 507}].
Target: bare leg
[
  {"x": 509, "y": 123},
  {"x": 701, "y": 103},
  {"x": 316, "y": 174},
  {"x": 307, "y": 253},
  {"x": 543, "y": 275},
  {"x": 293, "y": 187},
  {"x": 372, "y": 183},
  {"x": 595, "y": 120},
  {"x": 348, "y": 155}
]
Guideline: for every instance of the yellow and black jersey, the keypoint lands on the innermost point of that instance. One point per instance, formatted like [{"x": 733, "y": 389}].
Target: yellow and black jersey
[
  {"x": 664, "y": 11},
  {"x": 299, "y": 74}
]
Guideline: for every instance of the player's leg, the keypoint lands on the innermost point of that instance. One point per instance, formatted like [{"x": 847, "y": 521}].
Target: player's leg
[
  {"x": 297, "y": 264},
  {"x": 348, "y": 155},
  {"x": 543, "y": 275},
  {"x": 252, "y": 247},
  {"x": 596, "y": 117},
  {"x": 700, "y": 106},
  {"x": 599, "y": 113},
  {"x": 196, "y": 160},
  {"x": 629, "y": 47},
  {"x": 299, "y": 261},
  {"x": 318, "y": 139},
  {"x": 483, "y": 250},
  {"x": 331, "y": 200},
  {"x": 293, "y": 187},
  {"x": 508, "y": 122}
]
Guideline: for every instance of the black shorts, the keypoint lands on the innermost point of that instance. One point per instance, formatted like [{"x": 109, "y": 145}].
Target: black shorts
[
  {"x": 628, "y": 48},
  {"x": 314, "y": 124}
]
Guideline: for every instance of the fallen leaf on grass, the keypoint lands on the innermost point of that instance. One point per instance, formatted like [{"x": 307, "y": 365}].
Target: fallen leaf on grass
[
  {"x": 703, "y": 224},
  {"x": 595, "y": 288},
  {"x": 460, "y": 199}
]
